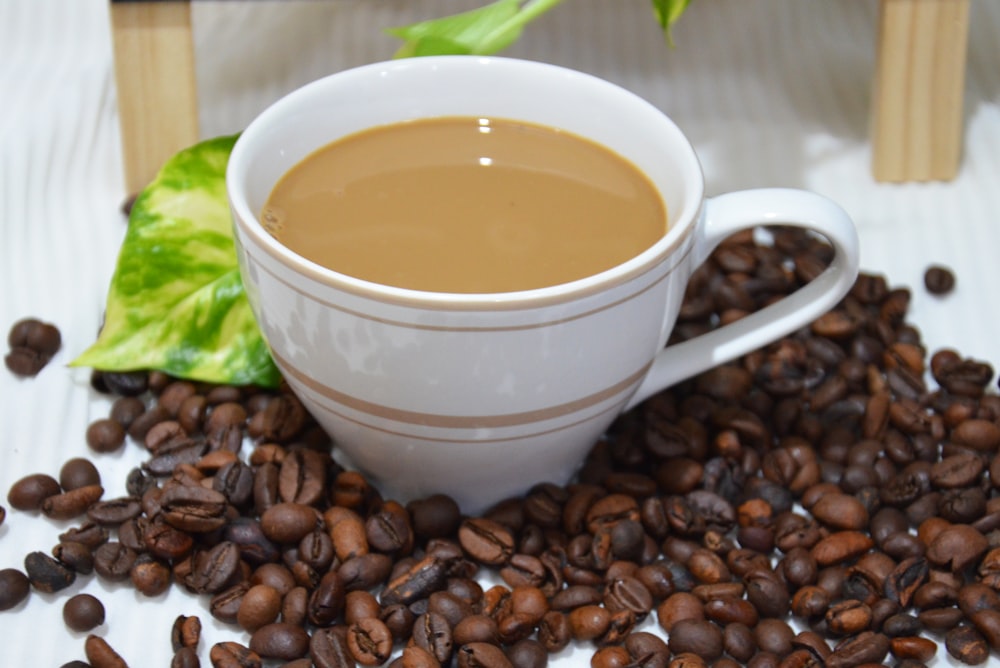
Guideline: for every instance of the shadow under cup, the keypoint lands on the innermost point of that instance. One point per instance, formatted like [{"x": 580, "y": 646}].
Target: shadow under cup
[{"x": 475, "y": 396}]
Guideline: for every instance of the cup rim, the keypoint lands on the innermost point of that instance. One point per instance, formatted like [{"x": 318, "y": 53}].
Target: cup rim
[{"x": 248, "y": 221}]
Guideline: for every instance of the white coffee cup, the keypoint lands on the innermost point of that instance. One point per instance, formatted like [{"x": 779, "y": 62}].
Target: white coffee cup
[{"x": 482, "y": 396}]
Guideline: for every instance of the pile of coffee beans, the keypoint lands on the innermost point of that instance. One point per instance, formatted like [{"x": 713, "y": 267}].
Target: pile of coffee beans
[
  {"x": 32, "y": 344},
  {"x": 815, "y": 503}
]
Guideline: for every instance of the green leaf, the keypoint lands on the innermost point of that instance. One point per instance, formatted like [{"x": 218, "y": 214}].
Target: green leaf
[
  {"x": 667, "y": 13},
  {"x": 176, "y": 301},
  {"x": 483, "y": 31}
]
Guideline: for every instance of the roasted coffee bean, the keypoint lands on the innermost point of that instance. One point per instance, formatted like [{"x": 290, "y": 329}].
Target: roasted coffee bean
[
  {"x": 432, "y": 633},
  {"x": 45, "y": 573},
  {"x": 987, "y": 622},
  {"x": 588, "y": 622},
  {"x": 105, "y": 435},
  {"x": 476, "y": 628},
  {"x": 163, "y": 541},
  {"x": 75, "y": 556},
  {"x": 939, "y": 280},
  {"x": 281, "y": 420},
  {"x": 185, "y": 632},
  {"x": 848, "y": 617},
  {"x": 288, "y": 522},
  {"x": 280, "y": 641},
  {"x": 436, "y": 516},
  {"x": 113, "y": 561},
  {"x": 185, "y": 657},
  {"x": 228, "y": 654},
  {"x": 967, "y": 645},
  {"x": 212, "y": 570},
  {"x": 366, "y": 571},
  {"x": 71, "y": 504},
  {"x": 14, "y": 588},
  {"x": 225, "y": 605},
  {"x": 78, "y": 472},
  {"x": 486, "y": 541},
  {"x": 528, "y": 653},
  {"x": 730, "y": 609},
  {"x": 370, "y": 641},
  {"x": 865, "y": 647},
  {"x": 957, "y": 547},
  {"x": 32, "y": 490},
  {"x": 174, "y": 453},
  {"x": 326, "y": 603},
  {"x": 388, "y": 529},
  {"x": 235, "y": 481},
  {"x": 328, "y": 648},
  {"x": 700, "y": 637},
  {"x": 302, "y": 477},
  {"x": 83, "y": 612},
  {"x": 89, "y": 534},
  {"x": 295, "y": 606},
  {"x": 150, "y": 576},
  {"x": 418, "y": 581},
  {"x": 768, "y": 594},
  {"x": 360, "y": 604},
  {"x": 194, "y": 509},
  {"x": 259, "y": 606},
  {"x": 915, "y": 648},
  {"x": 101, "y": 655},
  {"x": 114, "y": 512},
  {"x": 482, "y": 655}
]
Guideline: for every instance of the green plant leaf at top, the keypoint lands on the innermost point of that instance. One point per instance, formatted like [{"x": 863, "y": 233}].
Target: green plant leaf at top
[
  {"x": 176, "y": 302},
  {"x": 481, "y": 31},
  {"x": 667, "y": 13}
]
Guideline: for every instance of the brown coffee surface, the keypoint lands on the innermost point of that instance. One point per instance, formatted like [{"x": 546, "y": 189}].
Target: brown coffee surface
[{"x": 466, "y": 205}]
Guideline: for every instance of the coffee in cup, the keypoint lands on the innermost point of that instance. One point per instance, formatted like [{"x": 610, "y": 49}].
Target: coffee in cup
[{"x": 481, "y": 394}]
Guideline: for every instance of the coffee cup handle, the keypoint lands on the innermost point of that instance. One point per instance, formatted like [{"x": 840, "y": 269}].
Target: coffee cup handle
[{"x": 726, "y": 214}]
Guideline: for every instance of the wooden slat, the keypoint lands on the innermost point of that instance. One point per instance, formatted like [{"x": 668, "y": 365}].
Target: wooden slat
[
  {"x": 155, "y": 77},
  {"x": 918, "y": 88}
]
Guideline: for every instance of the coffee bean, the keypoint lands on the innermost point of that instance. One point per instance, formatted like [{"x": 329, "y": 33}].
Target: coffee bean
[
  {"x": 105, "y": 435},
  {"x": 185, "y": 632},
  {"x": 101, "y": 655},
  {"x": 418, "y": 581},
  {"x": 328, "y": 648},
  {"x": 14, "y": 588},
  {"x": 279, "y": 640},
  {"x": 486, "y": 541},
  {"x": 45, "y": 573},
  {"x": 185, "y": 657},
  {"x": 700, "y": 637},
  {"x": 193, "y": 509},
  {"x": 865, "y": 647},
  {"x": 432, "y": 633},
  {"x": 78, "y": 472},
  {"x": 967, "y": 645},
  {"x": 83, "y": 612},
  {"x": 113, "y": 561},
  {"x": 327, "y": 600},
  {"x": 939, "y": 280},
  {"x": 228, "y": 654},
  {"x": 482, "y": 655},
  {"x": 71, "y": 504},
  {"x": 259, "y": 606},
  {"x": 30, "y": 492},
  {"x": 370, "y": 641},
  {"x": 956, "y": 547},
  {"x": 288, "y": 522},
  {"x": 527, "y": 653},
  {"x": 588, "y": 622},
  {"x": 114, "y": 512}
]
